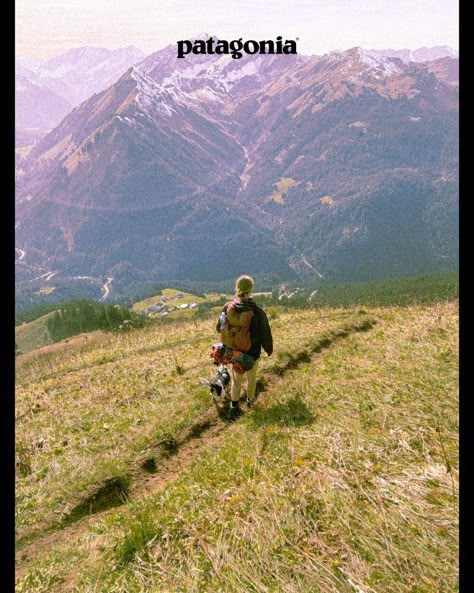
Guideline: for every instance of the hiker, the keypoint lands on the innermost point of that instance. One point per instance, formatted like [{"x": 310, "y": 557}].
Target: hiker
[{"x": 250, "y": 334}]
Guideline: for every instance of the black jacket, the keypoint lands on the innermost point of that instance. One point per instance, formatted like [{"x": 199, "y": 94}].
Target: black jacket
[{"x": 260, "y": 332}]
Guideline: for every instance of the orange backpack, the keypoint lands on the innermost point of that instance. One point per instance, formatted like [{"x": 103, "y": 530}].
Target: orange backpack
[{"x": 235, "y": 332}]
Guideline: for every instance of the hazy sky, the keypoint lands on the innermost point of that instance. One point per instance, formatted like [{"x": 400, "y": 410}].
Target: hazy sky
[{"x": 45, "y": 28}]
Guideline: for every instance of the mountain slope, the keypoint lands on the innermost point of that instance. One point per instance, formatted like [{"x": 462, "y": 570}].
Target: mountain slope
[
  {"x": 342, "y": 166},
  {"x": 129, "y": 473},
  {"x": 37, "y": 109},
  {"x": 82, "y": 71},
  {"x": 372, "y": 162},
  {"x": 46, "y": 90}
]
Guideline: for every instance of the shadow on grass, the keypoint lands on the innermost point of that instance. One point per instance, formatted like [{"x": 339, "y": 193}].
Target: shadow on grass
[
  {"x": 293, "y": 412},
  {"x": 109, "y": 494},
  {"x": 223, "y": 412}
]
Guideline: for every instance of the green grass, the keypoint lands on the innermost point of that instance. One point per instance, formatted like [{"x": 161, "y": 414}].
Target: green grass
[
  {"x": 71, "y": 319},
  {"x": 411, "y": 290},
  {"x": 34, "y": 334},
  {"x": 25, "y": 316},
  {"x": 342, "y": 478}
]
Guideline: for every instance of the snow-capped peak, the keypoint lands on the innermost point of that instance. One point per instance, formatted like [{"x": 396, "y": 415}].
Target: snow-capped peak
[
  {"x": 374, "y": 65},
  {"x": 380, "y": 65},
  {"x": 154, "y": 97}
]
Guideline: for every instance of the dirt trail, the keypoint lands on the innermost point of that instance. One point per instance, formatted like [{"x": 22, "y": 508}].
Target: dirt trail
[{"x": 175, "y": 456}]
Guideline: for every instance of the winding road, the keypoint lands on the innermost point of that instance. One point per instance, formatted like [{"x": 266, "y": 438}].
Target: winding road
[
  {"x": 106, "y": 289},
  {"x": 22, "y": 253},
  {"x": 47, "y": 276}
]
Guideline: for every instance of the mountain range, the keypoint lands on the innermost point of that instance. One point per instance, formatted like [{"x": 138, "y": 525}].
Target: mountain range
[
  {"x": 341, "y": 167},
  {"x": 422, "y": 54},
  {"x": 47, "y": 90}
]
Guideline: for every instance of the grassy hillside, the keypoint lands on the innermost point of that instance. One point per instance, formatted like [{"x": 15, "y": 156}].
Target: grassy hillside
[
  {"x": 34, "y": 334},
  {"x": 342, "y": 477},
  {"x": 71, "y": 319},
  {"x": 410, "y": 290}
]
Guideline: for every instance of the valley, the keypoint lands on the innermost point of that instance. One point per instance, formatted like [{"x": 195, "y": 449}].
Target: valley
[{"x": 141, "y": 180}]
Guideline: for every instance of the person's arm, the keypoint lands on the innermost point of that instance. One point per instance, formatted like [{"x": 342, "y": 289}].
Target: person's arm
[{"x": 266, "y": 334}]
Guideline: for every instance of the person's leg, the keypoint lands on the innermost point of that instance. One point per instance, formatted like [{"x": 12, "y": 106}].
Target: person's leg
[
  {"x": 252, "y": 381},
  {"x": 236, "y": 385},
  {"x": 234, "y": 410}
]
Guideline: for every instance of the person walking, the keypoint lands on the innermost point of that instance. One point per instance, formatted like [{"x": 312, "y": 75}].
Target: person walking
[{"x": 256, "y": 332}]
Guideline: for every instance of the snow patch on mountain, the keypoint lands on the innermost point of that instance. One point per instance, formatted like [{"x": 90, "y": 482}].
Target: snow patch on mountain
[
  {"x": 375, "y": 66},
  {"x": 190, "y": 84},
  {"x": 381, "y": 65},
  {"x": 247, "y": 69},
  {"x": 155, "y": 98},
  {"x": 191, "y": 72},
  {"x": 205, "y": 94},
  {"x": 219, "y": 74}
]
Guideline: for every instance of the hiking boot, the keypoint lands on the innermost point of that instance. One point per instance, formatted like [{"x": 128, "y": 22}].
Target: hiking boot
[
  {"x": 250, "y": 402},
  {"x": 234, "y": 412}
]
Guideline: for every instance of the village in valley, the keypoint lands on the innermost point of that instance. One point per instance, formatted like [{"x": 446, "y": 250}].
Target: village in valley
[
  {"x": 172, "y": 301},
  {"x": 166, "y": 305}
]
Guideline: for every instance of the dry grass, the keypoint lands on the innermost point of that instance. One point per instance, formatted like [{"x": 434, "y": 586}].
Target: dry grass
[
  {"x": 343, "y": 478},
  {"x": 84, "y": 413}
]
